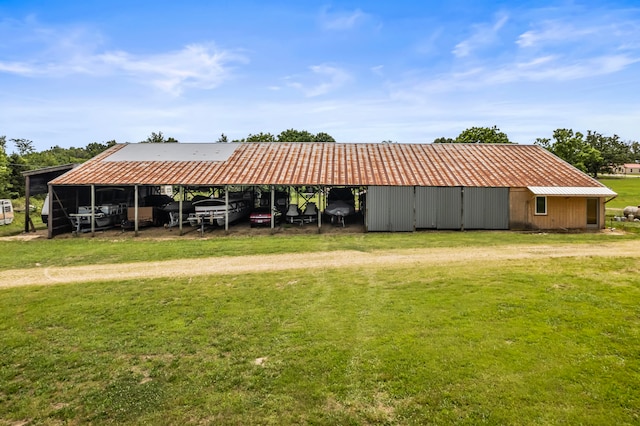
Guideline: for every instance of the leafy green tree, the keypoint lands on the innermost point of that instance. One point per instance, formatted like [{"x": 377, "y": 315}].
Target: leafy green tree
[
  {"x": 292, "y": 135},
  {"x": 444, "y": 140},
  {"x": 222, "y": 139},
  {"x": 634, "y": 152},
  {"x": 482, "y": 135},
  {"x": 323, "y": 137},
  {"x": 613, "y": 153},
  {"x": 17, "y": 165},
  {"x": 24, "y": 146},
  {"x": 289, "y": 135},
  {"x": 572, "y": 148},
  {"x": 5, "y": 186},
  {"x": 260, "y": 137},
  {"x": 158, "y": 138},
  {"x": 95, "y": 148}
]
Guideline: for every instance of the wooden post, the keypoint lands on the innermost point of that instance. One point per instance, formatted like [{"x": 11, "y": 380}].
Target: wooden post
[
  {"x": 181, "y": 197},
  {"x": 273, "y": 207},
  {"x": 135, "y": 210},
  {"x": 27, "y": 216},
  {"x": 93, "y": 211},
  {"x": 226, "y": 208}
]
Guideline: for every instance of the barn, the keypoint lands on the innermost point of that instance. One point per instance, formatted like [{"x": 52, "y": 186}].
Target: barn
[{"x": 398, "y": 187}]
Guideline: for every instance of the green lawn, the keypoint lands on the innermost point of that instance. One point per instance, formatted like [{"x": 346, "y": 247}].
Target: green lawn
[
  {"x": 628, "y": 190},
  {"x": 513, "y": 342}
]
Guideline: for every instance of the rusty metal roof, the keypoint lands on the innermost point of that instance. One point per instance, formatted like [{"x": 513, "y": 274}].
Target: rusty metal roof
[{"x": 333, "y": 164}]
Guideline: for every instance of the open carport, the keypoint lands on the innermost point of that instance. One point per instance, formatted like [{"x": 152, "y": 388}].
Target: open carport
[{"x": 396, "y": 187}]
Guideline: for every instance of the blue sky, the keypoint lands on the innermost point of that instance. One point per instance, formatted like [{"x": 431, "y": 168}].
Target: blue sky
[{"x": 72, "y": 73}]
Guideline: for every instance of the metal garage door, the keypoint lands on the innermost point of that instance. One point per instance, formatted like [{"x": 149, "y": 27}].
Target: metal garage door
[
  {"x": 462, "y": 208},
  {"x": 390, "y": 208},
  {"x": 438, "y": 207},
  {"x": 486, "y": 208}
]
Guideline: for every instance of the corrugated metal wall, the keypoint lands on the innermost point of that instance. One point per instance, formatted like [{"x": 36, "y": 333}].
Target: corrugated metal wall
[
  {"x": 390, "y": 208},
  {"x": 486, "y": 208},
  {"x": 405, "y": 208},
  {"x": 449, "y": 208},
  {"x": 426, "y": 208}
]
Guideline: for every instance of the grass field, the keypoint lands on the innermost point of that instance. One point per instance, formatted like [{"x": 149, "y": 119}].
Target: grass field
[
  {"x": 628, "y": 190},
  {"x": 509, "y": 342}
]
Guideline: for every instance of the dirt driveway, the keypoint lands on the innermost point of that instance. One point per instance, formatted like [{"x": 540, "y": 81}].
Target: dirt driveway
[{"x": 306, "y": 261}]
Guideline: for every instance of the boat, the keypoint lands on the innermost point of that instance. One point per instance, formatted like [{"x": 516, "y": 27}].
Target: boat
[
  {"x": 340, "y": 204},
  {"x": 214, "y": 211},
  {"x": 173, "y": 210},
  {"x": 104, "y": 216}
]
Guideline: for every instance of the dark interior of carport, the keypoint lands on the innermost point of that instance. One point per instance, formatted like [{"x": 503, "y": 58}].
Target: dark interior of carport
[{"x": 65, "y": 201}]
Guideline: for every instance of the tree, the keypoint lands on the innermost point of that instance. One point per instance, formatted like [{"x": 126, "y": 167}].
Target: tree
[
  {"x": 323, "y": 137},
  {"x": 222, "y": 139},
  {"x": 17, "y": 165},
  {"x": 613, "y": 153},
  {"x": 4, "y": 169},
  {"x": 634, "y": 152},
  {"x": 24, "y": 146},
  {"x": 292, "y": 135},
  {"x": 260, "y": 137},
  {"x": 482, "y": 135},
  {"x": 158, "y": 138},
  {"x": 95, "y": 148},
  {"x": 444, "y": 140},
  {"x": 572, "y": 148}
]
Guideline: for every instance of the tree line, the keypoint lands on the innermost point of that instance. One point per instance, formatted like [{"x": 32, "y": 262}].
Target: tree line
[{"x": 593, "y": 152}]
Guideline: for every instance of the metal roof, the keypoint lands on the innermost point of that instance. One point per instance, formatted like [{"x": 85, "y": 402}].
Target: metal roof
[
  {"x": 332, "y": 164},
  {"x": 572, "y": 191},
  {"x": 174, "y": 152}
]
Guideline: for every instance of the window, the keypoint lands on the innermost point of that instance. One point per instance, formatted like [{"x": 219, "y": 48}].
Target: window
[{"x": 541, "y": 205}]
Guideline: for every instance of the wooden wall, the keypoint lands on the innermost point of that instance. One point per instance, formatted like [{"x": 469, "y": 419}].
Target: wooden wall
[{"x": 562, "y": 212}]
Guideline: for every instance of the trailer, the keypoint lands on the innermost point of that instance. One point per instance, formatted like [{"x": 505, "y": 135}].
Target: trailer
[{"x": 6, "y": 212}]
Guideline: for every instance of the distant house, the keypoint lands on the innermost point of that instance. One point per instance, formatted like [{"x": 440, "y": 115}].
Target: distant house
[
  {"x": 628, "y": 169},
  {"x": 401, "y": 187}
]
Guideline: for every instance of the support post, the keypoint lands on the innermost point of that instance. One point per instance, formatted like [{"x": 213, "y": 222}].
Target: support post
[
  {"x": 135, "y": 210},
  {"x": 92, "y": 216},
  {"x": 226, "y": 208},
  {"x": 181, "y": 198},
  {"x": 27, "y": 195},
  {"x": 50, "y": 210},
  {"x": 319, "y": 192},
  {"x": 273, "y": 207}
]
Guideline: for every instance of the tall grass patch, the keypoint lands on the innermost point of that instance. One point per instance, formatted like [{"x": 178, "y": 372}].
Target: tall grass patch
[{"x": 500, "y": 343}]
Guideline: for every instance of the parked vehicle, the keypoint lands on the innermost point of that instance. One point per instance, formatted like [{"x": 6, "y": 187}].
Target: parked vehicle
[
  {"x": 340, "y": 204},
  {"x": 6, "y": 212},
  {"x": 213, "y": 211},
  {"x": 262, "y": 216},
  {"x": 105, "y": 216},
  {"x": 110, "y": 210}
]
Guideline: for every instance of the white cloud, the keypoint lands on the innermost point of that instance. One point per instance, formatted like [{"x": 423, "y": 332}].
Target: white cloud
[
  {"x": 330, "y": 78},
  {"x": 66, "y": 52},
  {"x": 195, "y": 66},
  {"x": 542, "y": 69},
  {"x": 378, "y": 70},
  {"x": 557, "y": 32},
  {"x": 341, "y": 21},
  {"x": 483, "y": 35}
]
